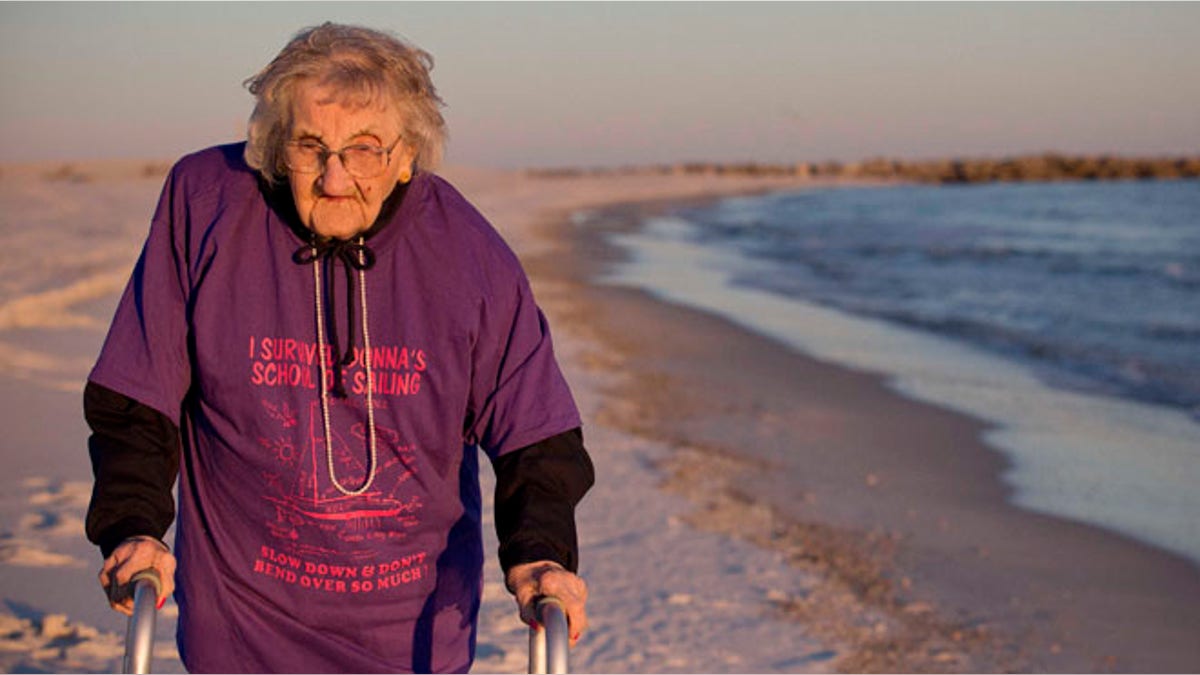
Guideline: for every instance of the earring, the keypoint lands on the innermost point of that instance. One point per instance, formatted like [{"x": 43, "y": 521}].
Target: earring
[{"x": 406, "y": 174}]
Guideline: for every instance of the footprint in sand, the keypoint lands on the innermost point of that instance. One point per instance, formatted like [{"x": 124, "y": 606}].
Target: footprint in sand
[
  {"x": 34, "y": 642},
  {"x": 55, "y": 512}
]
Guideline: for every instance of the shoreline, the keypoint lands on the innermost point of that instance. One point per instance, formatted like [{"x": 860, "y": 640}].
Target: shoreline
[{"x": 909, "y": 517}]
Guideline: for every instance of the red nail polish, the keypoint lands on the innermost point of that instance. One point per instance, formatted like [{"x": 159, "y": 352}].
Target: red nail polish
[{"x": 161, "y": 602}]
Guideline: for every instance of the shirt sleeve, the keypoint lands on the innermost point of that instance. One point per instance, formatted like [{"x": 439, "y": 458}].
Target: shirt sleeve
[
  {"x": 135, "y": 458},
  {"x": 518, "y": 394},
  {"x": 146, "y": 355},
  {"x": 537, "y": 490}
]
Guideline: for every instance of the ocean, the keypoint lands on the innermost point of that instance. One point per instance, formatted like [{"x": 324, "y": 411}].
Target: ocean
[{"x": 1067, "y": 315}]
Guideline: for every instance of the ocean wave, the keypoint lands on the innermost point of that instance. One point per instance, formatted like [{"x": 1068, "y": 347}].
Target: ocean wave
[{"x": 1172, "y": 331}]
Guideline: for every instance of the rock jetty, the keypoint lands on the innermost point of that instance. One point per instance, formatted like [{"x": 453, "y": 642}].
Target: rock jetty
[{"x": 1023, "y": 168}]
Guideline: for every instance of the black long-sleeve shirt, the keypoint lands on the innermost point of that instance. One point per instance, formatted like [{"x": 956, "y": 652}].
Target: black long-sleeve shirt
[{"x": 135, "y": 454}]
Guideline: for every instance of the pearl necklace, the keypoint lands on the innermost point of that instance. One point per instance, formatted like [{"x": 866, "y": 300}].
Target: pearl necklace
[{"x": 362, "y": 292}]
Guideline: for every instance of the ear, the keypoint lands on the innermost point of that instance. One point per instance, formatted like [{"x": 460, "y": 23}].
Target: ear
[{"x": 407, "y": 159}]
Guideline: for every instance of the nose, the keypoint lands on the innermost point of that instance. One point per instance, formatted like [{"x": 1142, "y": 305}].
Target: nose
[{"x": 335, "y": 181}]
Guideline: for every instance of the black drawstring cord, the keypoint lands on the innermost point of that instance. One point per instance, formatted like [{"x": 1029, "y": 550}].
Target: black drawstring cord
[{"x": 355, "y": 255}]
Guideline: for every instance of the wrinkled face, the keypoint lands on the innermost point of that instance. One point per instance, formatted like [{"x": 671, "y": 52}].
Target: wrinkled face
[{"x": 330, "y": 201}]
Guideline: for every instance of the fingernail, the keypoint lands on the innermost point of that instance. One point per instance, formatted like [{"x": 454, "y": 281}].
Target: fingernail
[
  {"x": 576, "y": 637},
  {"x": 161, "y": 602},
  {"x": 533, "y": 625}
]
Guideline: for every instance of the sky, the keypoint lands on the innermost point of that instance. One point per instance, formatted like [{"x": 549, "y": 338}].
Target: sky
[{"x": 609, "y": 84}]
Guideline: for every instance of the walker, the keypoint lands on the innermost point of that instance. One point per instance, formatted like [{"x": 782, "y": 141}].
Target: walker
[{"x": 548, "y": 640}]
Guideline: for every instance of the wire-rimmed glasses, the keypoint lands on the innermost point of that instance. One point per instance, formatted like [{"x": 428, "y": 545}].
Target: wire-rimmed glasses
[{"x": 361, "y": 160}]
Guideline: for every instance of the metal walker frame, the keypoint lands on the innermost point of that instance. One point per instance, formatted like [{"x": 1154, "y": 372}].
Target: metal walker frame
[
  {"x": 139, "y": 636},
  {"x": 549, "y": 640}
]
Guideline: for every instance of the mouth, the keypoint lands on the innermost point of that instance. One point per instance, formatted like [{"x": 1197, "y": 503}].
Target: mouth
[{"x": 336, "y": 204}]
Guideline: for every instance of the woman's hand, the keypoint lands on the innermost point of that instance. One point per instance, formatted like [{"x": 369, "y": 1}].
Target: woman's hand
[
  {"x": 132, "y": 556},
  {"x": 531, "y": 581}
]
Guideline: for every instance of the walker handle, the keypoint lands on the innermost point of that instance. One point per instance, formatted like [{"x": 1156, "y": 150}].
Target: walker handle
[
  {"x": 549, "y": 641},
  {"x": 139, "y": 636}
]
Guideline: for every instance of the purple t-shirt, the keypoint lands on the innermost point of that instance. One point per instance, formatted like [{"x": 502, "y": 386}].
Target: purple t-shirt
[{"x": 278, "y": 571}]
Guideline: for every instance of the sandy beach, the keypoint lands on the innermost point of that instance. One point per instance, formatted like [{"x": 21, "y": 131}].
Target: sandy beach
[{"x": 756, "y": 510}]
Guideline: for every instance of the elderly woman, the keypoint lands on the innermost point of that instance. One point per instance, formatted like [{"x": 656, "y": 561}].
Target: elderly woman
[{"x": 318, "y": 337}]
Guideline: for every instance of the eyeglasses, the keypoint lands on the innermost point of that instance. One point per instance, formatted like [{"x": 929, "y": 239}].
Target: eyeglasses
[{"x": 361, "y": 160}]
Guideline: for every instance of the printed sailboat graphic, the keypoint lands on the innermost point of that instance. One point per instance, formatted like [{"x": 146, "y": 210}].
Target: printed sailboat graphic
[{"x": 314, "y": 503}]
